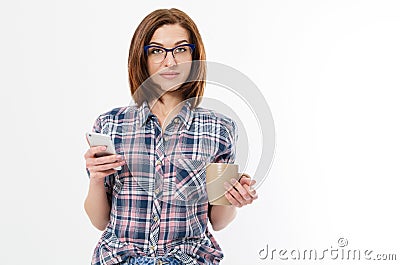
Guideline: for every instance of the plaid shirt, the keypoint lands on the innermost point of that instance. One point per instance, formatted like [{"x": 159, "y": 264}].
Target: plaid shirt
[{"x": 158, "y": 200}]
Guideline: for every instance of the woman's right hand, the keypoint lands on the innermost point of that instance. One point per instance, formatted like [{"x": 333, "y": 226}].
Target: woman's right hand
[{"x": 100, "y": 167}]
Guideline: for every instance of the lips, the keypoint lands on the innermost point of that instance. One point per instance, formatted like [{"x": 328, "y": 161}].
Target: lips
[{"x": 169, "y": 75}]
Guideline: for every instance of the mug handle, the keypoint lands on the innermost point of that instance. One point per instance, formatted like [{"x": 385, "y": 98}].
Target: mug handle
[{"x": 243, "y": 174}]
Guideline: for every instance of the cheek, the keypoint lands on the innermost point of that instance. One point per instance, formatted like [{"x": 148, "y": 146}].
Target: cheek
[
  {"x": 185, "y": 68},
  {"x": 151, "y": 68}
]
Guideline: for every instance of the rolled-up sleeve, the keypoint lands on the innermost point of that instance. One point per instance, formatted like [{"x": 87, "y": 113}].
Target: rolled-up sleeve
[{"x": 227, "y": 151}]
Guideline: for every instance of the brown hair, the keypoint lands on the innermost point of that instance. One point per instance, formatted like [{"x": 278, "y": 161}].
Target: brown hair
[{"x": 193, "y": 89}]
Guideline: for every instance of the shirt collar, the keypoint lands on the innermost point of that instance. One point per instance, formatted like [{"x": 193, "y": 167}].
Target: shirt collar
[
  {"x": 185, "y": 114},
  {"x": 143, "y": 113}
]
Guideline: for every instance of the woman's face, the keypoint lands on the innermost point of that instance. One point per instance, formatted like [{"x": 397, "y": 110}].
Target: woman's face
[{"x": 170, "y": 73}]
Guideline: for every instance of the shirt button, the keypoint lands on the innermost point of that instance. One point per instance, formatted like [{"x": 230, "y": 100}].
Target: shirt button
[
  {"x": 152, "y": 247},
  {"x": 158, "y": 162},
  {"x": 176, "y": 120},
  {"x": 157, "y": 190},
  {"x": 155, "y": 218}
]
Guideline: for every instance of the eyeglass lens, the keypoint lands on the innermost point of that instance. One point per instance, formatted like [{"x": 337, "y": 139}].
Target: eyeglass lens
[{"x": 180, "y": 53}]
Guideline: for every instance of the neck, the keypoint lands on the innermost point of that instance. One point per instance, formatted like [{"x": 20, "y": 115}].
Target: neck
[{"x": 168, "y": 106}]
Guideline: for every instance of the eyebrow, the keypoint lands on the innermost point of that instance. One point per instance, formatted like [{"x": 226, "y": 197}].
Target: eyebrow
[{"x": 176, "y": 43}]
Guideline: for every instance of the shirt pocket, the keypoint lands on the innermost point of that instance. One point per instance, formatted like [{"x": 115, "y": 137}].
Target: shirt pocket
[{"x": 190, "y": 181}]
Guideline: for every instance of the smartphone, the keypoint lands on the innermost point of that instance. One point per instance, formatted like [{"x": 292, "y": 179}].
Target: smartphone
[{"x": 96, "y": 139}]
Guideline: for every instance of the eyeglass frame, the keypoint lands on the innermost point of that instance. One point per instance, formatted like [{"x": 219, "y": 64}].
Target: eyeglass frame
[{"x": 147, "y": 47}]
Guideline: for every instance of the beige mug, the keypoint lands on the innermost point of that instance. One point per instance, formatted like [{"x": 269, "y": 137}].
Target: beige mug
[{"x": 216, "y": 175}]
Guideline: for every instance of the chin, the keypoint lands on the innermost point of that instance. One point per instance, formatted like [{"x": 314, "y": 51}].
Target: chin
[{"x": 171, "y": 88}]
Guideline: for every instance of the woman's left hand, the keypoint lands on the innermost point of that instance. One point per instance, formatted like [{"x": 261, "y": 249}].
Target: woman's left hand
[{"x": 240, "y": 193}]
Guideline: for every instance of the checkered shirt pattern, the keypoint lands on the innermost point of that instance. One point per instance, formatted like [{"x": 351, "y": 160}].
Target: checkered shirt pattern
[{"x": 158, "y": 200}]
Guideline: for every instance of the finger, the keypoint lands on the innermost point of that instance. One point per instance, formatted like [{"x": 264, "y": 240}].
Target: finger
[
  {"x": 234, "y": 193},
  {"x": 93, "y": 150},
  {"x": 108, "y": 159},
  {"x": 232, "y": 200},
  {"x": 103, "y": 160},
  {"x": 242, "y": 191},
  {"x": 250, "y": 191},
  {"x": 96, "y": 149},
  {"x": 104, "y": 167},
  {"x": 245, "y": 179},
  {"x": 250, "y": 185},
  {"x": 252, "y": 198},
  {"x": 245, "y": 176}
]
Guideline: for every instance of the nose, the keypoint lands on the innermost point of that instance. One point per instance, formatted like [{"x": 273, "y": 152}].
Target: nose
[{"x": 169, "y": 60}]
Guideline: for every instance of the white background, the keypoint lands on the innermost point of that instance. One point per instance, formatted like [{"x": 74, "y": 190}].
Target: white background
[{"x": 328, "y": 69}]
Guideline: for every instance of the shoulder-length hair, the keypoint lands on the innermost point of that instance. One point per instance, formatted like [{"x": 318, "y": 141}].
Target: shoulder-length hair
[{"x": 193, "y": 89}]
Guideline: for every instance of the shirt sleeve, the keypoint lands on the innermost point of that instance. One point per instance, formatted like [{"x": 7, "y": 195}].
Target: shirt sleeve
[
  {"x": 110, "y": 179},
  {"x": 227, "y": 151}
]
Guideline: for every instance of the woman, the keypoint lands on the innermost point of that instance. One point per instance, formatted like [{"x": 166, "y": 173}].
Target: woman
[{"x": 155, "y": 210}]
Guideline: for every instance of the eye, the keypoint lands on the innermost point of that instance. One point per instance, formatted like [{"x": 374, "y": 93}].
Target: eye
[
  {"x": 180, "y": 49},
  {"x": 155, "y": 50}
]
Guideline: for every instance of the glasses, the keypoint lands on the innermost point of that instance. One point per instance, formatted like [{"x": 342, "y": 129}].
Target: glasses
[{"x": 181, "y": 53}]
